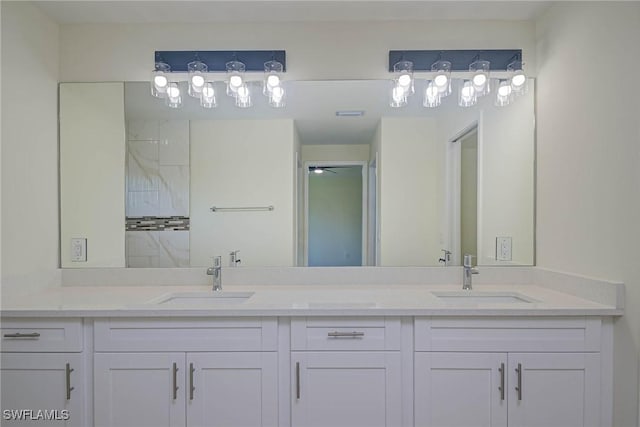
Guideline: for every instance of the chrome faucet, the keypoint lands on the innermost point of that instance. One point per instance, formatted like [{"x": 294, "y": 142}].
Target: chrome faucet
[
  {"x": 468, "y": 272},
  {"x": 216, "y": 272},
  {"x": 233, "y": 259}
]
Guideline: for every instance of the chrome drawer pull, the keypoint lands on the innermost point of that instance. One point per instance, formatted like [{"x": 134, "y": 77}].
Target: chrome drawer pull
[
  {"x": 68, "y": 371},
  {"x": 519, "y": 386},
  {"x": 21, "y": 335},
  {"x": 175, "y": 381},
  {"x": 501, "y": 388},
  {"x": 191, "y": 386},
  {"x": 298, "y": 380},
  {"x": 353, "y": 334}
]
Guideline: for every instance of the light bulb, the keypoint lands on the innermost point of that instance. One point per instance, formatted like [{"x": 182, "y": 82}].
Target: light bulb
[
  {"x": 174, "y": 96},
  {"x": 398, "y": 97},
  {"x": 404, "y": 80},
  {"x": 235, "y": 70},
  {"x": 208, "y": 95},
  {"x": 442, "y": 78},
  {"x": 504, "y": 93},
  {"x": 431, "y": 96},
  {"x": 467, "y": 94},
  {"x": 318, "y": 170},
  {"x": 504, "y": 90},
  {"x": 243, "y": 98},
  {"x": 235, "y": 81},
  {"x": 273, "y": 81},
  {"x": 480, "y": 79},
  {"x": 276, "y": 98},
  {"x": 518, "y": 80},
  {"x": 160, "y": 81}
]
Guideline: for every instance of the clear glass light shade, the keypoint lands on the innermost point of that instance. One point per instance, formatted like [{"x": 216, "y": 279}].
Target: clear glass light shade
[
  {"x": 243, "y": 97},
  {"x": 272, "y": 76},
  {"x": 480, "y": 78},
  {"x": 208, "y": 95},
  {"x": 442, "y": 78},
  {"x": 404, "y": 76},
  {"x": 235, "y": 77},
  {"x": 518, "y": 78},
  {"x": 160, "y": 80},
  {"x": 174, "y": 95},
  {"x": 398, "y": 97},
  {"x": 504, "y": 94},
  {"x": 276, "y": 97},
  {"x": 197, "y": 79},
  {"x": 467, "y": 96},
  {"x": 432, "y": 96}
]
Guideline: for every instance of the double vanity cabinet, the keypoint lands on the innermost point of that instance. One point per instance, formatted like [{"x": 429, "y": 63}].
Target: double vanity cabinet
[{"x": 308, "y": 370}]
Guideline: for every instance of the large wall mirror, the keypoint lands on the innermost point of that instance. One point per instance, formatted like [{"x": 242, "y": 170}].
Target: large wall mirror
[{"x": 336, "y": 178}]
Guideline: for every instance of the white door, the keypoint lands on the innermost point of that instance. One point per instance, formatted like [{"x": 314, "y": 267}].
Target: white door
[
  {"x": 42, "y": 382},
  {"x": 346, "y": 389},
  {"x": 139, "y": 389},
  {"x": 460, "y": 389},
  {"x": 554, "y": 389},
  {"x": 232, "y": 389}
]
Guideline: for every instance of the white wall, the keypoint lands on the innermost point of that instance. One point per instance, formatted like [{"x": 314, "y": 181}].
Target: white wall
[
  {"x": 361, "y": 48},
  {"x": 588, "y": 136},
  {"x": 411, "y": 189},
  {"x": 29, "y": 148},
  {"x": 331, "y": 152},
  {"x": 239, "y": 163},
  {"x": 92, "y": 172}
]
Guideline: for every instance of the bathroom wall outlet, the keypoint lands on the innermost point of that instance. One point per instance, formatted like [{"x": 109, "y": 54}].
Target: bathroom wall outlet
[
  {"x": 79, "y": 250},
  {"x": 503, "y": 248}
]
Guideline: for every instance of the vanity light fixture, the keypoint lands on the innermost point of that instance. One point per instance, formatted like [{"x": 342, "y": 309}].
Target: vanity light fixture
[
  {"x": 174, "y": 95},
  {"x": 159, "y": 79},
  {"x": 235, "y": 77},
  {"x": 234, "y": 66},
  {"x": 480, "y": 77},
  {"x": 467, "y": 96},
  {"x": 197, "y": 70},
  {"x": 208, "y": 95},
  {"x": 504, "y": 94},
  {"x": 518, "y": 77},
  {"x": 442, "y": 79},
  {"x": 432, "y": 96},
  {"x": 469, "y": 67},
  {"x": 403, "y": 86}
]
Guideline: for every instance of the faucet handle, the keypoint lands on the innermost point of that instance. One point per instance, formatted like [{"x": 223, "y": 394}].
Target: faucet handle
[{"x": 217, "y": 261}]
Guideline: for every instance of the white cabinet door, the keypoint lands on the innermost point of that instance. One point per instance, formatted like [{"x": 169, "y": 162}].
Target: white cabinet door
[
  {"x": 554, "y": 389},
  {"x": 139, "y": 389},
  {"x": 346, "y": 389},
  {"x": 232, "y": 389},
  {"x": 44, "y": 385},
  {"x": 460, "y": 389}
]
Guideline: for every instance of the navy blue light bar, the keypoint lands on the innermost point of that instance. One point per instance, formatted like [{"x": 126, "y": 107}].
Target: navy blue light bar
[
  {"x": 216, "y": 59},
  {"x": 460, "y": 59}
]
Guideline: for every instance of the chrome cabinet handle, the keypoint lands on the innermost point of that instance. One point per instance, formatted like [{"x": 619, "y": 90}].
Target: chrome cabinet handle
[
  {"x": 68, "y": 371},
  {"x": 175, "y": 381},
  {"x": 191, "y": 386},
  {"x": 501, "y": 388},
  {"x": 337, "y": 334},
  {"x": 519, "y": 386},
  {"x": 20, "y": 335},
  {"x": 298, "y": 380}
]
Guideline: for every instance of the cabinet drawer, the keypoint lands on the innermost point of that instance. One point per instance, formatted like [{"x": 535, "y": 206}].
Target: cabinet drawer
[
  {"x": 319, "y": 333},
  {"x": 41, "y": 335},
  {"x": 507, "y": 334},
  {"x": 200, "y": 334}
]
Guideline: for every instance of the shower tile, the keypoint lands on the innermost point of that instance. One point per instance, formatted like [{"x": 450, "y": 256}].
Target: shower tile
[
  {"x": 142, "y": 243},
  {"x": 174, "y": 142},
  {"x": 142, "y": 130},
  {"x": 174, "y": 249},
  {"x": 142, "y": 203},
  {"x": 174, "y": 191},
  {"x": 142, "y": 165}
]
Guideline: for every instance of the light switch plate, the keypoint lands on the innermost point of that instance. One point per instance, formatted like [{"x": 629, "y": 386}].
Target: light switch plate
[
  {"x": 78, "y": 249},
  {"x": 503, "y": 248}
]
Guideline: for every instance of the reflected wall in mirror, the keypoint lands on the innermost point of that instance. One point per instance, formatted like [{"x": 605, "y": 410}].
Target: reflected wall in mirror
[{"x": 139, "y": 180}]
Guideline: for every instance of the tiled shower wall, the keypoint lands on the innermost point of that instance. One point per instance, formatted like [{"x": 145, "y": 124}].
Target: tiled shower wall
[{"x": 157, "y": 187}]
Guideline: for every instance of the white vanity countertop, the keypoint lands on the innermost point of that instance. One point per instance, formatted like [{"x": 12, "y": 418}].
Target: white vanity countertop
[{"x": 308, "y": 300}]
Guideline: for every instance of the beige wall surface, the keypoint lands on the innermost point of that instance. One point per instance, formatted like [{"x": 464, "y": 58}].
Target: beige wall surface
[
  {"x": 92, "y": 172},
  {"x": 242, "y": 163},
  {"x": 111, "y": 52},
  {"x": 29, "y": 148},
  {"x": 588, "y": 202}
]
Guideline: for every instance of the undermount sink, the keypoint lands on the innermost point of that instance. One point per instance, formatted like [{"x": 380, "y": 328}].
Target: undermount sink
[
  {"x": 202, "y": 298},
  {"x": 482, "y": 297}
]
